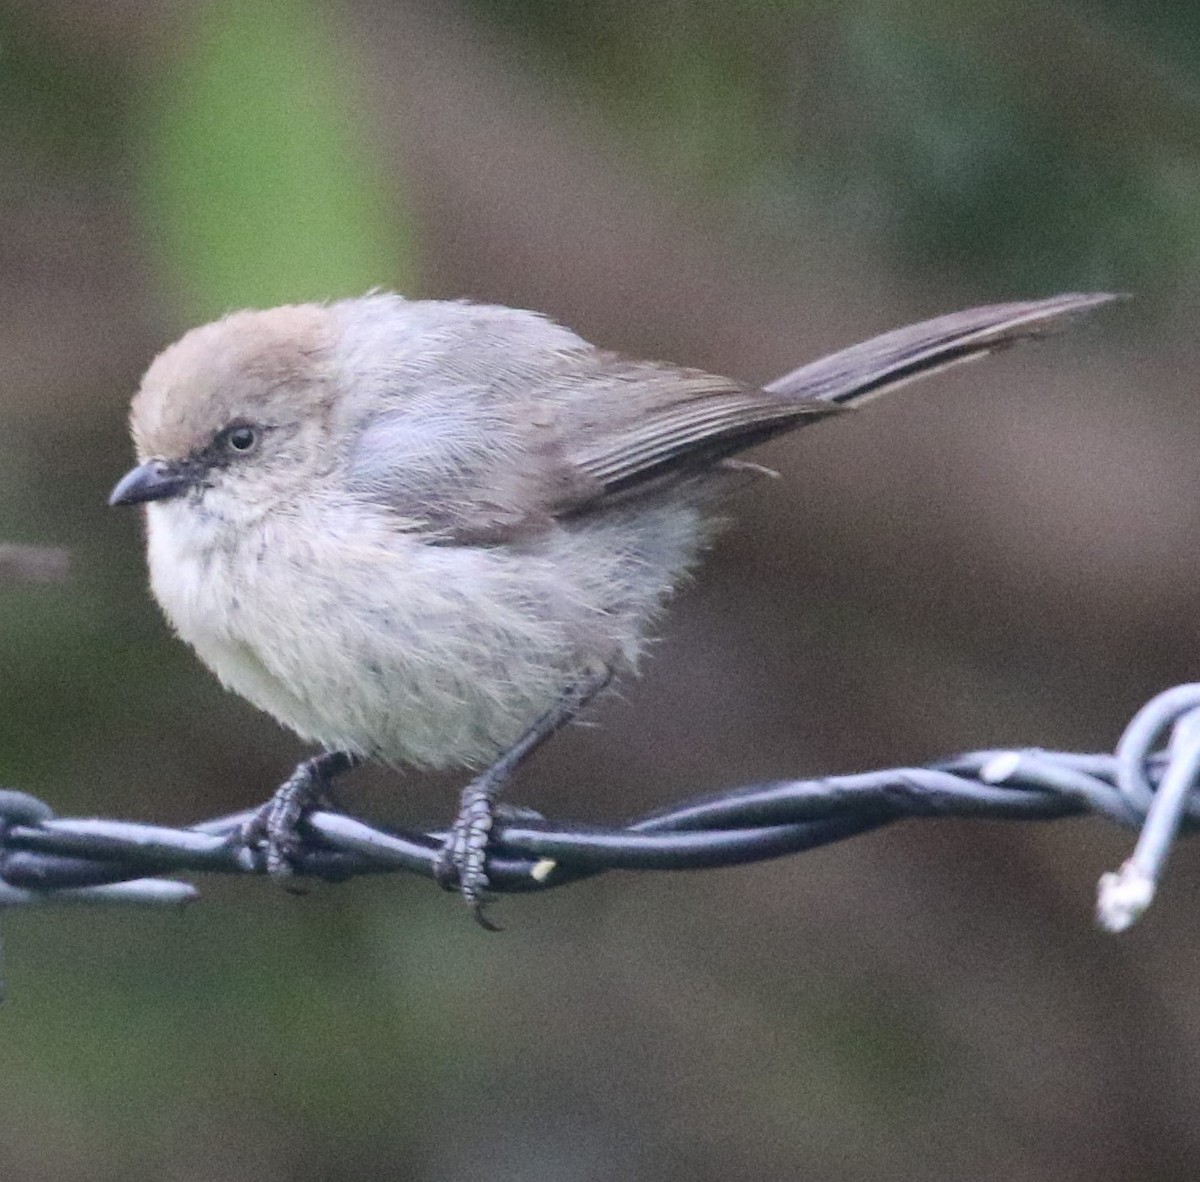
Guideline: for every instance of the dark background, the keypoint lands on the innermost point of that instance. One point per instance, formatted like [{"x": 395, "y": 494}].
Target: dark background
[{"x": 1003, "y": 556}]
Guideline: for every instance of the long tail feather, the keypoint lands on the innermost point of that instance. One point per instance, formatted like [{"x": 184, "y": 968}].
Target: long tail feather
[{"x": 885, "y": 362}]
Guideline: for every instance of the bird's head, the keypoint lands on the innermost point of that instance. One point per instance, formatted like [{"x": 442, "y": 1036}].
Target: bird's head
[{"x": 234, "y": 418}]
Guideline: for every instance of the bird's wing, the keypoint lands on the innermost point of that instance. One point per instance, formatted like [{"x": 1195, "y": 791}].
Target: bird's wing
[
  {"x": 674, "y": 420},
  {"x": 652, "y": 422},
  {"x": 595, "y": 427}
]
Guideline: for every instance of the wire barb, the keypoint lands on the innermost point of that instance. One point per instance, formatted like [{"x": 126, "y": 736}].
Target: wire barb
[{"x": 46, "y": 859}]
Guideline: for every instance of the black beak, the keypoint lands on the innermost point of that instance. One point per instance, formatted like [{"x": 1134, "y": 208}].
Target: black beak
[{"x": 155, "y": 480}]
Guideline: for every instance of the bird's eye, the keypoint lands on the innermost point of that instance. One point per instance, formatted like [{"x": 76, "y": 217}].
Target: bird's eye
[{"x": 241, "y": 439}]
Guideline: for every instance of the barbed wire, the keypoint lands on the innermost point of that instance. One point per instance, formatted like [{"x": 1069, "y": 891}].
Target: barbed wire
[{"x": 46, "y": 859}]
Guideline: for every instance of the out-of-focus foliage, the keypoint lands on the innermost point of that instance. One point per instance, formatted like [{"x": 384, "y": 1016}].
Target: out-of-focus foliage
[
  {"x": 61, "y": 100},
  {"x": 259, "y": 189},
  {"x": 939, "y": 123}
]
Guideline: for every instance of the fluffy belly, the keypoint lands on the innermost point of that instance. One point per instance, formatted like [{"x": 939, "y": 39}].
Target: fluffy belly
[
  {"x": 399, "y": 712},
  {"x": 450, "y": 682},
  {"x": 387, "y": 647}
]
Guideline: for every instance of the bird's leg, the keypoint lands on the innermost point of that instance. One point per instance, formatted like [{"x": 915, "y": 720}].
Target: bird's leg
[
  {"x": 275, "y": 826},
  {"x": 462, "y": 861}
]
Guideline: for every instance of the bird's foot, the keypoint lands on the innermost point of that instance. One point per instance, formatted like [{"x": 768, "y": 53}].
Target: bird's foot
[
  {"x": 275, "y": 827},
  {"x": 462, "y": 861}
]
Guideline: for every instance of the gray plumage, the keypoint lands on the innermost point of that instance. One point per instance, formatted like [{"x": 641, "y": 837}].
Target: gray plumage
[{"x": 446, "y": 513}]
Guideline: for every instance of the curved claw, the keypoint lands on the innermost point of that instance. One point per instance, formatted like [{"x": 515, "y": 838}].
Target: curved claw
[
  {"x": 479, "y": 914},
  {"x": 462, "y": 861},
  {"x": 274, "y": 830}
]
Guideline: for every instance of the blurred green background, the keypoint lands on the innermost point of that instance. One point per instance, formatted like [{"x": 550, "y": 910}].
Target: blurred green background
[{"x": 1006, "y": 556}]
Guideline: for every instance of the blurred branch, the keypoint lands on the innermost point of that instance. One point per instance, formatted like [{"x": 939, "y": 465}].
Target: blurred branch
[
  {"x": 32, "y": 564},
  {"x": 46, "y": 859}
]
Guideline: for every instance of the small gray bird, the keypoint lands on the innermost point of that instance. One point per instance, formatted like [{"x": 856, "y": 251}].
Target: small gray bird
[{"x": 427, "y": 533}]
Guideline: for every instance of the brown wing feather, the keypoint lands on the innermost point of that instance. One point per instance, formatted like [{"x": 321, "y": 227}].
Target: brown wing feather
[
  {"x": 582, "y": 428},
  {"x": 692, "y": 419},
  {"x": 675, "y": 421}
]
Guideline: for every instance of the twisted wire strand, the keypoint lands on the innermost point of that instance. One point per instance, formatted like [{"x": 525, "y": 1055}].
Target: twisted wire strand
[{"x": 47, "y": 859}]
